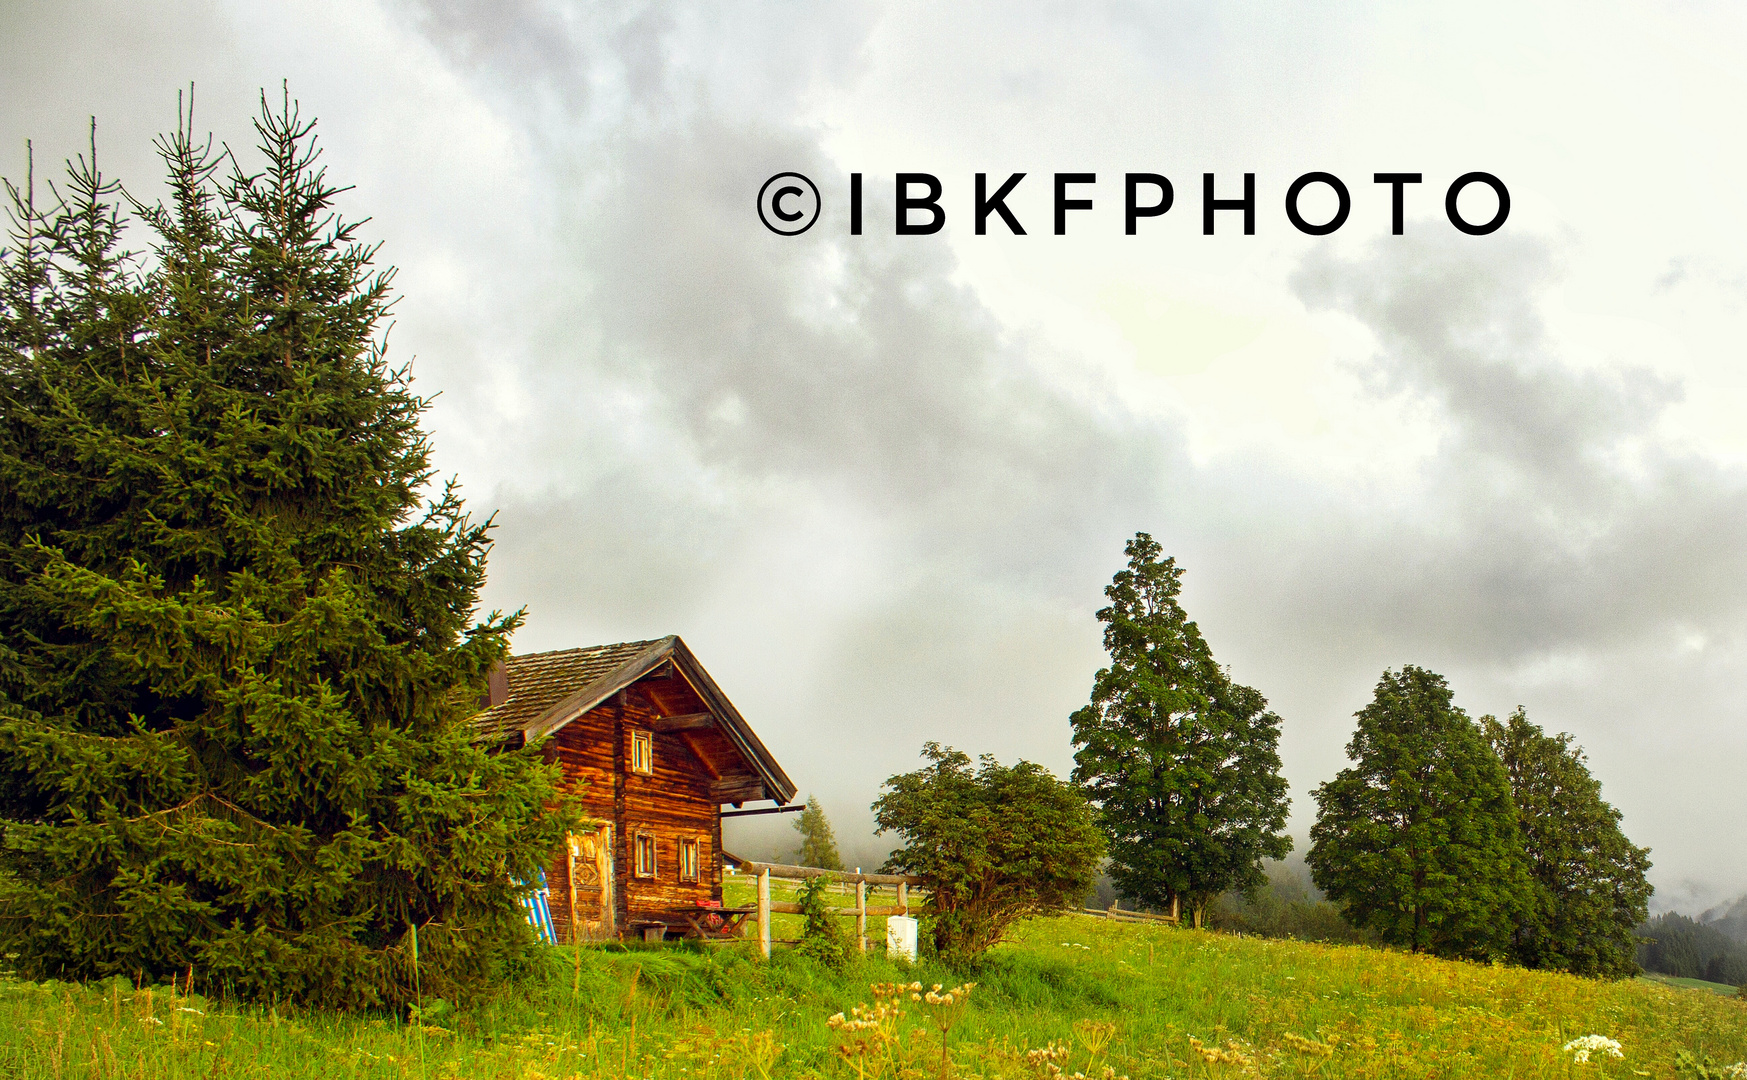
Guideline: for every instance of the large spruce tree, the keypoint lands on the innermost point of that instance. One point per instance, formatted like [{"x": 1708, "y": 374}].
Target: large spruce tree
[
  {"x": 1589, "y": 891},
  {"x": 238, "y": 647},
  {"x": 1418, "y": 839},
  {"x": 1181, "y": 762}
]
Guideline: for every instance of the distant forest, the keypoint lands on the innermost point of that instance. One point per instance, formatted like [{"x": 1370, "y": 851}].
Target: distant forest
[{"x": 1712, "y": 947}]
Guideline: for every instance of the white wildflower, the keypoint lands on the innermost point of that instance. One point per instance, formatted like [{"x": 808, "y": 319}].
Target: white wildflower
[{"x": 1580, "y": 1049}]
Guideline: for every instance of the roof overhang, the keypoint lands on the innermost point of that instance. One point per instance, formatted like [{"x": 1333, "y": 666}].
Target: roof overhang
[{"x": 722, "y": 713}]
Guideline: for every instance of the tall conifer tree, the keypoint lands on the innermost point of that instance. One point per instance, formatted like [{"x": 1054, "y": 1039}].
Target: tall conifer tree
[
  {"x": 238, "y": 653},
  {"x": 1590, "y": 892},
  {"x": 1182, "y": 763},
  {"x": 1418, "y": 840},
  {"x": 818, "y": 842}
]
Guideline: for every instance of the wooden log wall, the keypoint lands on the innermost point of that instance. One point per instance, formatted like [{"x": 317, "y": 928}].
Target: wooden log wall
[
  {"x": 617, "y": 738},
  {"x": 674, "y": 802}
]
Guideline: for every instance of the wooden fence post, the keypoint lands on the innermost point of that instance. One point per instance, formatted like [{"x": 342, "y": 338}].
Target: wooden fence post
[
  {"x": 861, "y": 914},
  {"x": 764, "y": 912},
  {"x": 767, "y": 907}
]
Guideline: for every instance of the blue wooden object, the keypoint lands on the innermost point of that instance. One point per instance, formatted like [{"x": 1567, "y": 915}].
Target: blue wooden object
[{"x": 539, "y": 911}]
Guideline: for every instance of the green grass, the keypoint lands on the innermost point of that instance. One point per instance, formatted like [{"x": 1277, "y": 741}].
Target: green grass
[
  {"x": 1271, "y": 1008},
  {"x": 1694, "y": 984}
]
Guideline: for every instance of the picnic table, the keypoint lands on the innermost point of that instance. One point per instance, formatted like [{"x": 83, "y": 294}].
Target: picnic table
[{"x": 708, "y": 923}]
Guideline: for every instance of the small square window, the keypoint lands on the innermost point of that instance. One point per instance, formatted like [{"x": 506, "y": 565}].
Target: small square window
[
  {"x": 643, "y": 854},
  {"x": 688, "y": 860},
  {"x": 642, "y": 752}
]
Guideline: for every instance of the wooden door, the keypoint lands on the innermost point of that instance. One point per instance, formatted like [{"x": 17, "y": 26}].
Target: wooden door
[{"x": 591, "y": 884}]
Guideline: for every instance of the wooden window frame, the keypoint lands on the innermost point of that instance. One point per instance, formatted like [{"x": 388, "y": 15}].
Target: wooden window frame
[
  {"x": 695, "y": 864},
  {"x": 643, "y": 753},
  {"x": 638, "y": 839}
]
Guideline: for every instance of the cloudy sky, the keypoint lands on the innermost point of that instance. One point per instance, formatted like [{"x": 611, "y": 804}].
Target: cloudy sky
[{"x": 878, "y": 482}]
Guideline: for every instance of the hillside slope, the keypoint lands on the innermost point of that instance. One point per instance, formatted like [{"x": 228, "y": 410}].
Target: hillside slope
[{"x": 1163, "y": 1002}]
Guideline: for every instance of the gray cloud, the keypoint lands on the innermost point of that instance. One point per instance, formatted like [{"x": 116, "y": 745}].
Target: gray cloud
[
  {"x": 851, "y": 396},
  {"x": 1537, "y": 524}
]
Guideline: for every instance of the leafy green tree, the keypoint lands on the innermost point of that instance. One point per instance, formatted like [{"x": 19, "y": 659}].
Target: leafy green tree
[
  {"x": 818, "y": 843},
  {"x": 238, "y": 654},
  {"x": 1589, "y": 886},
  {"x": 1418, "y": 840},
  {"x": 1182, "y": 763},
  {"x": 992, "y": 845}
]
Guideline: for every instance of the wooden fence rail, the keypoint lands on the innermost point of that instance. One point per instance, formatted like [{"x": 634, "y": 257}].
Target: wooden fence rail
[
  {"x": 860, "y": 912},
  {"x": 1120, "y": 915}
]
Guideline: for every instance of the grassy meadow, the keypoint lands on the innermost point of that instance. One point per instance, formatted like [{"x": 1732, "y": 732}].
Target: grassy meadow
[
  {"x": 1694, "y": 984},
  {"x": 1069, "y": 993}
]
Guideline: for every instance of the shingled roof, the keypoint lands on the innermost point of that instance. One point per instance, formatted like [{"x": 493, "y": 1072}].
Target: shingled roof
[
  {"x": 538, "y": 681},
  {"x": 548, "y": 690}
]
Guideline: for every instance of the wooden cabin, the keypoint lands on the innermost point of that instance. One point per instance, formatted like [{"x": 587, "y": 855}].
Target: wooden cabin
[{"x": 654, "y": 749}]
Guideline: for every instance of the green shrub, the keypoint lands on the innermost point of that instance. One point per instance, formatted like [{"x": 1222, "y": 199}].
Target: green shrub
[
  {"x": 822, "y": 938},
  {"x": 992, "y": 845}
]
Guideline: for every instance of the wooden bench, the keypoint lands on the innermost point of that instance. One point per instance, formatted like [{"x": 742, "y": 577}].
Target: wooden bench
[{"x": 708, "y": 923}]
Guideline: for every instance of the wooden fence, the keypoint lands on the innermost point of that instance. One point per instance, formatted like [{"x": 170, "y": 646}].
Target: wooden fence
[
  {"x": 1117, "y": 914},
  {"x": 860, "y": 912}
]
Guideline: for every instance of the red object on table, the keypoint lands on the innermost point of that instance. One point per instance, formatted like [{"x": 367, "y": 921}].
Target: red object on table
[{"x": 716, "y": 921}]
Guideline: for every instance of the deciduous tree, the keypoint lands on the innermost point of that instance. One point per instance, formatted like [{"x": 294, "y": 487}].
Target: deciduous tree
[
  {"x": 1418, "y": 840},
  {"x": 1181, "y": 762},
  {"x": 1589, "y": 892},
  {"x": 238, "y": 646},
  {"x": 993, "y": 844}
]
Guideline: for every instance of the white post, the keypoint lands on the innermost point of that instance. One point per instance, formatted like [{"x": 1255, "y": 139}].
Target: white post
[
  {"x": 861, "y": 913},
  {"x": 901, "y": 938},
  {"x": 764, "y": 912}
]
